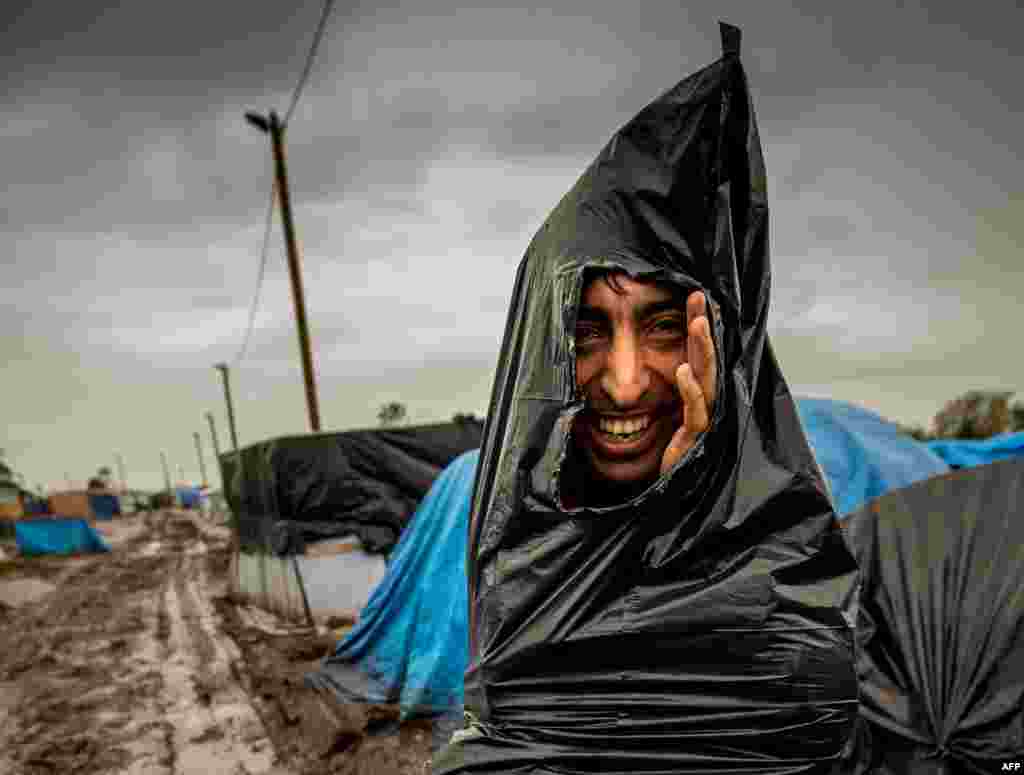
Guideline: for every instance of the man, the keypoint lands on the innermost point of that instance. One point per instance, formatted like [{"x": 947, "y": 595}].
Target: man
[
  {"x": 656, "y": 575},
  {"x": 645, "y": 363}
]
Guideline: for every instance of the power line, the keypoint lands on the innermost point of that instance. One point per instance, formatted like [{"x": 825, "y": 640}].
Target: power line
[
  {"x": 267, "y": 224},
  {"x": 321, "y": 26}
]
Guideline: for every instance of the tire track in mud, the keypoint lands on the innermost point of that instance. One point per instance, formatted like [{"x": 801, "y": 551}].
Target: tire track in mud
[{"x": 125, "y": 670}]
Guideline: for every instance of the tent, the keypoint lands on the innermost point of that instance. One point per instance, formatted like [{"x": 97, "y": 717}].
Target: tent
[
  {"x": 58, "y": 536},
  {"x": 290, "y": 491},
  {"x": 317, "y": 514},
  {"x": 863, "y": 455},
  {"x": 409, "y": 646},
  {"x": 966, "y": 453},
  {"x": 941, "y": 624},
  {"x": 105, "y": 505}
]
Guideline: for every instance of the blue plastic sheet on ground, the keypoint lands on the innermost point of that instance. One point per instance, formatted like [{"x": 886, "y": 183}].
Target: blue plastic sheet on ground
[
  {"x": 58, "y": 536},
  {"x": 410, "y": 645},
  {"x": 967, "y": 454},
  {"x": 863, "y": 455},
  {"x": 105, "y": 505}
]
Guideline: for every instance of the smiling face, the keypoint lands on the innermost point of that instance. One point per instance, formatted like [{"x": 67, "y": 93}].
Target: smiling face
[{"x": 630, "y": 339}]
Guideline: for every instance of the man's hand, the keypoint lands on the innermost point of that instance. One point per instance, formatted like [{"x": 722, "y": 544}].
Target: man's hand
[{"x": 697, "y": 380}]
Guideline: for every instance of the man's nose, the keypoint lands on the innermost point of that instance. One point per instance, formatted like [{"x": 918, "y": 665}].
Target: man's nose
[{"x": 625, "y": 380}]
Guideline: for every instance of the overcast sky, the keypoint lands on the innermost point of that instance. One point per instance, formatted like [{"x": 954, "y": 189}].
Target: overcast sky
[{"x": 431, "y": 141}]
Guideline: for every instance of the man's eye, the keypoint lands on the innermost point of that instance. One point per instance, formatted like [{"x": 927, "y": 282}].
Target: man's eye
[
  {"x": 587, "y": 333},
  {"x": 668, "y": 326}
]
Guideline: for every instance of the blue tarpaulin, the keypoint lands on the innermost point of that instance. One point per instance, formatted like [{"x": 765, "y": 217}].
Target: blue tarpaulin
[
  {"x": 410, "y": 644},
  {"x": 969, "y": 453},
  {"x": 863, "y": 455},
  {"x": 104, "y": 505},
  {"x": 58, "y": 536}
]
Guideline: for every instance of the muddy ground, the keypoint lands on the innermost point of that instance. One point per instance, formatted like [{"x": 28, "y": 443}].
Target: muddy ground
[{"x": 136, "y": 662}]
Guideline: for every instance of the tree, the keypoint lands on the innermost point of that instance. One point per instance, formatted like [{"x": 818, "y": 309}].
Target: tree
[
  {"x": 391, "y": 413},
  {"x": 977, "y": 414},
  {"x": 461, "y": 417},
  {"x": 1017, "y": 416}
]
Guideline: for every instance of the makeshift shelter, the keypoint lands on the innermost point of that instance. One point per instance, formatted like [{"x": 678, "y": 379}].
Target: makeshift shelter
[
  {"x": 84, "y": 504},
  {"x": 409, "y": 646},
  {"x": 317, "y": 514},
  {"x": 58, "y": 536},
  {"x": 104, "y": 505},
  {"x": 940, "y": 624},
  {"x": 965, "y": 453},
  {"x": 188, "y": 497},
  {"x": 862, "y": 454}
]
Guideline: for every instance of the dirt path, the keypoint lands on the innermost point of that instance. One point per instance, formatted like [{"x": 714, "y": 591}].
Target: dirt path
[
  {"x": 123, "y": 668},
  {"x": 136, "y": 662}
]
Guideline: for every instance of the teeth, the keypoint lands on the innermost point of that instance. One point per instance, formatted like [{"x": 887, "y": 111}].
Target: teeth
[{"x": 624, "y": 427}]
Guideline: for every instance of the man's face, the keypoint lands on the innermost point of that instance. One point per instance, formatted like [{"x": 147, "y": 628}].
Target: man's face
[{"x": 630, "y": 339}]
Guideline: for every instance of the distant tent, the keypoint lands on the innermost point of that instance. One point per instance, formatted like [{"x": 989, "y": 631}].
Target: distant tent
[
  {"x": 58, "y": 536},
  {"x": 410, "y": 644},
  {"x": 941, "y": 624},
  {"x": 863, "y": 455},
  {"x": 963, "y": 453},
  {"x": 188, "y": 497},
  {"x": 105, "y": 505}
]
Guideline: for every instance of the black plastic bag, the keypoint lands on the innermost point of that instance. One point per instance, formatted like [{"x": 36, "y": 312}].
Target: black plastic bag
[
  {"x": 941, "y": 624},
  {"x": 698, "y": 627}
]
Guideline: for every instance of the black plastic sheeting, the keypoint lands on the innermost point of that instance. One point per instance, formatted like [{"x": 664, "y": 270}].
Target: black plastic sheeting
[
  {"x": 941, "y": 624},
  {"x": 698, "y": 627},
  {"x": 297, "y": 489}
]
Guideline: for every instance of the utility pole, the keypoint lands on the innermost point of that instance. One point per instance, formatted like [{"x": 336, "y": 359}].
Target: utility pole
[
  {"x": 223, "y": 369},
  {"x": 275, "y": 129},
  {"x": 202, "y": 463},
  {"x": 167, "y": 472},
  {"x": 120, "y": 471},
  {"x": 213, "y": 436}
]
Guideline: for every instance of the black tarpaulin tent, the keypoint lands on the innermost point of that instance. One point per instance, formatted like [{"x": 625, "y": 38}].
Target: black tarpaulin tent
[
  {"x": 285, "y": 492},
  {"x": 941, "y": 624}
]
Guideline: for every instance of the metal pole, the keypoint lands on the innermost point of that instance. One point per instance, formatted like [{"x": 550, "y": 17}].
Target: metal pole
[
  {"x": 120, "y": 470},
  {"x": 213, "y": 436},
  {"x": 275, "y": 129},
  {"x": 202, "y": 463},
  {"x": 167, "y": 473},
  {"x": 223, "y": 368}
]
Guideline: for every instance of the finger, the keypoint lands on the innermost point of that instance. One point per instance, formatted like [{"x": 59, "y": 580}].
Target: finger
[
  {"x": 702, "y": 358},
  {"x": 696, "y": 306},
  {"x": 695, "y": 408},
  {"x": 694, "y": 419}
]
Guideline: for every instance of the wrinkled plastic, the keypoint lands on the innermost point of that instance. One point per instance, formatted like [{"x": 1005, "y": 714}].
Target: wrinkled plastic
[
  {"x": 966, "y": 453},
  {"x": 863, "y": 456},
  {"x": 698, "y": 627},
  {"x": 292, "y": 490},
  {"x": 409, "y": 646},
  {"x": 941, "y": 624}
]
